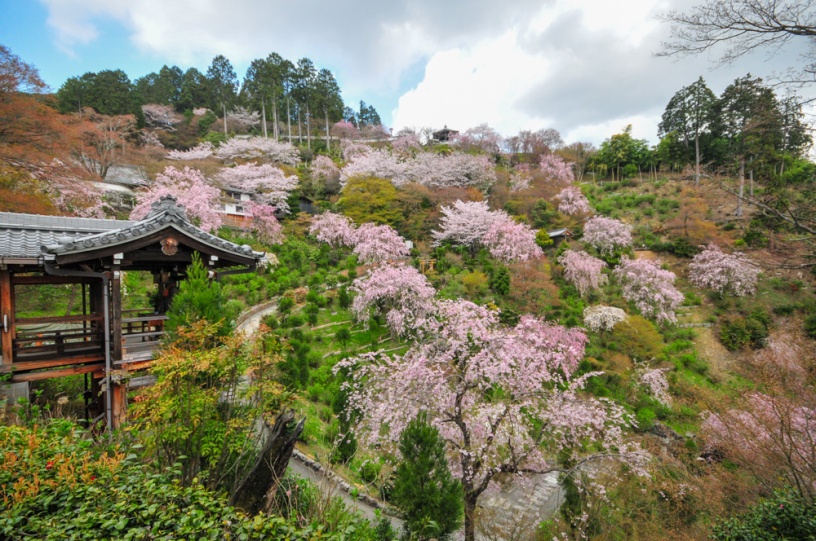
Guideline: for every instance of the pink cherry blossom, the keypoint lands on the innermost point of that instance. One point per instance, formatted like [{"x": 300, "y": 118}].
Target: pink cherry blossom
[
  {"x": 466, "y": 223},
  {"x": 264, "y": 223},
  {"x": 607, "y": 234},
  {"x": 376, "y": 243},
  {"x": 650, "y": 288},
  {"x": 334, "y": 229},
  {"x": 201, "y": 151},
  {"x": 583, "y": 271},
  {"x": 653, "y": 380},
  {"x": 453, "y": 375},
  {"x": 190, "y": 189},
  {"x": 714, "y": 269},
  {"x": 572, "y": 201},
  {"x": 509, "y": 241},
  {"x": 266, "y": 182},
  {"x": 258, "y": 147},
  {"x": 324, "y": 168},
  {"x": 556, "y": 169},
  {"x": 602, "y": 318},
  {"x": 399, "y": 292}
]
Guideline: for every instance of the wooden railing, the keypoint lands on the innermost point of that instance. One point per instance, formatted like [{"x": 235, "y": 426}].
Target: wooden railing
[
  {"x": 35, "y": 348},
  {"x": 141, "y": 336}
]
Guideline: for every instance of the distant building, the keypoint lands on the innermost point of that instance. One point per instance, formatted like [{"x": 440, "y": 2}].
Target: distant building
[
  {"x": 559, "y": 235},
  {"x": 444, "y": 135}
]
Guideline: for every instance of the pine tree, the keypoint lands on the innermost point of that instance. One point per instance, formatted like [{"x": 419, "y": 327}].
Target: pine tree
[
  {"x": 198, "y": 299},
  {"x": 424, "y": 487}
]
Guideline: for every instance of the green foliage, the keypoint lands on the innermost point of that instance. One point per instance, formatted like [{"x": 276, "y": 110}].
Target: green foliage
[
  {"x": 206, "y": 122},
  {"x": 783, "y": 516},
  {"x": 638, "y": 338},
  {"x": 370, "y": 200},
  {"x": 542, "y": 215},
  {"x": 737, "y": 332},
  {"x": 63, "y": 485},
  {"x": 199, "y": 299},
  {"x": 424, "y": 488},
  {"x": 810, "y": 326},
  {"x": 543, "y": 238},
  {"x": 500, "y": 281},
  {"x": 185, "y": 417}
]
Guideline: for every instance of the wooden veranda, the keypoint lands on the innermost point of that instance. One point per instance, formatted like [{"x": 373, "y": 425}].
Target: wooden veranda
[{"x": 103, "y": 338}]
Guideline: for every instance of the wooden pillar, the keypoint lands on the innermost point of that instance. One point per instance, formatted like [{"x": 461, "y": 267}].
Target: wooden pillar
[
  {"x": 116, "y": 312},
  {"x": 7, "y": 331},
  {"x": 119, "y": 403}
]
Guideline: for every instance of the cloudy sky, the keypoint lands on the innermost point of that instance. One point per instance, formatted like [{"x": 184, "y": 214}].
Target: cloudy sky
[{"x": 584, "y": 67}]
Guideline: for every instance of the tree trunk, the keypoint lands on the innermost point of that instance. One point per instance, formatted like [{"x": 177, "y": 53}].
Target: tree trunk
[
  {"x": 328, "y": 137},
  {"x": 300, "y": 133},
  {"x": 696, "y": 160},
  {"x": 275, "y": 128},
  {"x": 308, "y": 130},
  {"x": 224, "y": 109},
  {"x": 470, "y": 517},
  {"x": 256, "y": 491},
  {"x": 263, "y": 116},
  {"x": 741, "y": 185},
  {"x": 289, "y": 119},
  {"x": 751, "y": 176}
]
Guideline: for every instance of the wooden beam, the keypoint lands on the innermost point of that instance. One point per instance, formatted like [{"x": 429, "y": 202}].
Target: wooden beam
[
  {"x": 47, "y": 279},
  {"x": 6, "y": 316},
  {"x": 57, "y": 319},
  {"x": 36, "y": 376},
  {"x": 25, "y": 366}
]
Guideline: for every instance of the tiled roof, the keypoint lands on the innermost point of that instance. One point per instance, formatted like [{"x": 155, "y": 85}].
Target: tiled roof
[
  {"x": 23, "y": 235},
  {"x": 32, "y": 236}
]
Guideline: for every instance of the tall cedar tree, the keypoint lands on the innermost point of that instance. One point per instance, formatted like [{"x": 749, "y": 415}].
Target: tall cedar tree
[{"x": 424, "y": 488}]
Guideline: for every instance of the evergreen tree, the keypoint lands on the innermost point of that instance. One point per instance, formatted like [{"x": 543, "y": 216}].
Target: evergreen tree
[
  {"x": 424, "y": 487},
  {"x": 199, "y": 298}
]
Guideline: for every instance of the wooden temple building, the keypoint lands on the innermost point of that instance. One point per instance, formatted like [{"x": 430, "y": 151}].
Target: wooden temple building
[{"x": 103, "y": 340}]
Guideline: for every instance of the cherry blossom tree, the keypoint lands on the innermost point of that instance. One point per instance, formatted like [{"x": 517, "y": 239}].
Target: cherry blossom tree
[
  {"x": 344, "y": 130},
  {"x": 572, "y": 201},
  {"x": 406, "y": 145},
  {"x": 243, "y": 119},
  {"x": 376, "y": 243},
  {"x": 482, "y": 138},
  {"x": 602, "y": 318},
  {"x": 377, "y": 163},
  {"x": 266, "y": 182},
  {"x": 190, "y": 189},
  {"x": 258, "y": 147},
  {"x": 772, "y": 433},
  {"x": 650, "y": 288},
  {"x": 654, "y": 381},
  {"x": 466, "y": 223},
  {"x": 583, "y": 271},
  {"x": 68, "y": 191},
  {"x": 351, "y": 149},
  {"x": 333, "y": 229},
  {"x": 324, "y": 168},
  {"x": 733, "y": 273},
  {"x": 453, "y": 377},
  {"x": 510, "y": 241},
  {"x": 556, "y": 169},
  {"x": 607, "y": 234},
  {"x": 521, "y": 178},
  {"x": 264, "y": 223},
  {"x": 201, "y": 151},
  {"x": 399, "y": 292},
  {"x": 426, "y": 168}
]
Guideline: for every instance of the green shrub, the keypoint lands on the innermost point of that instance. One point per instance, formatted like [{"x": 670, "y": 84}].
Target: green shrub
[
  {"x": 638, "y": 338},
  {"x": 782, "y": 516},
  {"x": 810, "y": 326}
]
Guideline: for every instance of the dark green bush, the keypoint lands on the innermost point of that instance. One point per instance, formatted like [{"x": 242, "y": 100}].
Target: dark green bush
[{"x": 781, "y": 517}]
